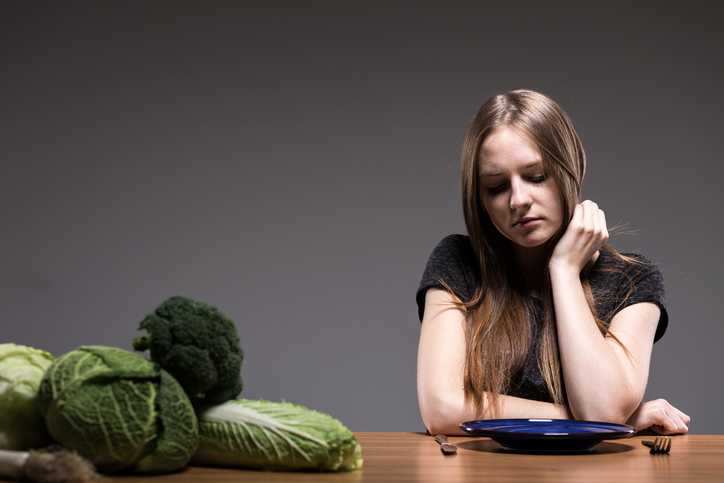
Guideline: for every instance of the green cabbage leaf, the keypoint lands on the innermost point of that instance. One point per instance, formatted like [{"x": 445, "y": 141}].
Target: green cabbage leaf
[
  {"x": 22, "y": 426},
  {"x": 273, "y": 436},
  {"x": 119, "y": 410}
]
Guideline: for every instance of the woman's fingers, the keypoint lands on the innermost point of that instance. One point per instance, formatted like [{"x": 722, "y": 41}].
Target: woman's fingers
[
  {"x": 673, "y": 424},
  {"x": 661, "y": 417},
  {"x": 679, "y": 420},
  {"x": 682, "y": 421},
  {"x": 604, "y": 226},
  {"x": 594, "y": 220},
  {"x": 585, "y": 234},
  {"x": 684, "y": 417}
]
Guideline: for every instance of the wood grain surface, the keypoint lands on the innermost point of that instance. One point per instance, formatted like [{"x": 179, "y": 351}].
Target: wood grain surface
[{"x": 408, "y": 457}]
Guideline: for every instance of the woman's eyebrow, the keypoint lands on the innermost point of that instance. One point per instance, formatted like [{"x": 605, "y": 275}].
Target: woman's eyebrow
[{"x": 490, "y": 174}]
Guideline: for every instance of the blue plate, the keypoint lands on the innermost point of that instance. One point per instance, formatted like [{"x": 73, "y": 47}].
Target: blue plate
[{"x": 547, "y": 435}]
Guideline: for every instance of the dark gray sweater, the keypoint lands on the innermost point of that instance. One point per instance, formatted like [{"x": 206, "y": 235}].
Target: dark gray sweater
[{"x": 453, "y": 261}]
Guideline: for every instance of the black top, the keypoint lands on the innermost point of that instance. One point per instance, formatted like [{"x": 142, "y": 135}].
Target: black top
[{"x": 453, "y": 261}]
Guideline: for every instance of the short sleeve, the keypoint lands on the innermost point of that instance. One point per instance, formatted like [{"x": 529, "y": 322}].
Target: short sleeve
[
  {"x": 621, "y": 284},
  {"x": 451, "y": 263}
]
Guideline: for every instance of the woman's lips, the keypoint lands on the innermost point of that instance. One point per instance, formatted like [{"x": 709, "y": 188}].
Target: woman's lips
[{"x": 523, "y": 222}]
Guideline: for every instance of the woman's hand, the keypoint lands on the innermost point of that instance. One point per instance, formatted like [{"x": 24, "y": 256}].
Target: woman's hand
[
  {"x": 660, "y": 417},
  {"x": 579, "y": 245}
]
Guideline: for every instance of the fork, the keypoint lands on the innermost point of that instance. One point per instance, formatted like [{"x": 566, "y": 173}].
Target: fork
[{"x": 660, "y": 445}]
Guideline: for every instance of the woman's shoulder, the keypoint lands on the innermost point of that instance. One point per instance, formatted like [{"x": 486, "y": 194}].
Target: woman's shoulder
[
  {"x": 452, "y": 265},
  {"x": 627, "y": 265},
  {"x": 453, "y": 256},
  {"x": 455, "y": 244},
  {"x": 622, "y": 279}
]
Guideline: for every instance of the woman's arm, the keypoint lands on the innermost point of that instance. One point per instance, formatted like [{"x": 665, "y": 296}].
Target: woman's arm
[
  {"x": 603, "y": 381},
  {"x": 440, "y": 369}
]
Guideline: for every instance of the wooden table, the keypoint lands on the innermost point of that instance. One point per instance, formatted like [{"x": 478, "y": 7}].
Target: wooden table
[{"x": 403, "y": 457}]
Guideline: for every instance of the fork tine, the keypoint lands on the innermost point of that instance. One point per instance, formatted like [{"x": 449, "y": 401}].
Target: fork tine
[{"x": 661, "y": 445}]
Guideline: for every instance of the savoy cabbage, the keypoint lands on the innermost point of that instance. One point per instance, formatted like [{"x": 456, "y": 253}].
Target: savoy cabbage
[{"x": 119, "y": 410}]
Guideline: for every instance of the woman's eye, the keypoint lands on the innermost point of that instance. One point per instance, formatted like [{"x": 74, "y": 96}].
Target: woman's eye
[
  {"x": 538, "y": 179},
  {"x": 496, "y": 189}
]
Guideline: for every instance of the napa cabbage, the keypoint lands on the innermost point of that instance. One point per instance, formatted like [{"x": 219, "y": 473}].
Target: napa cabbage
[
  {"x": 22, "y": 426},
  {"x": 273, "y": 436},
  {"x": 119, "y": 410}
]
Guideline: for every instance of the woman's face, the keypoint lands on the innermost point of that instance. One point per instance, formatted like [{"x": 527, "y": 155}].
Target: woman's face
[{"x": 523, "y": 203}]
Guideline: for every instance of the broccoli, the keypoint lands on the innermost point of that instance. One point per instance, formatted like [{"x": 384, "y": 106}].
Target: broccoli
[{"x": 198, "y": 345}]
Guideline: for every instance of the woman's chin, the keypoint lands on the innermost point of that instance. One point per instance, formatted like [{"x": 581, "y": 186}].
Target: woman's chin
[{"x": 531, "y": 243}]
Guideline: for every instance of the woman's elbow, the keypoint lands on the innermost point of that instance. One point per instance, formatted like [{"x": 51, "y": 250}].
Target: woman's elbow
[
  {"x": 437, "y": 427},
  {"x": 440, "y": 416},
  {"x": 439, "y": 424}
]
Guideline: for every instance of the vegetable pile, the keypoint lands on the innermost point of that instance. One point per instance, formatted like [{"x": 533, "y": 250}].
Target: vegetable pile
[{"x": 129, "y": 414}]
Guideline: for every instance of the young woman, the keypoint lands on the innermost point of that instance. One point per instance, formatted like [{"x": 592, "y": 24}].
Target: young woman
[{"x": 532, "y": 315}]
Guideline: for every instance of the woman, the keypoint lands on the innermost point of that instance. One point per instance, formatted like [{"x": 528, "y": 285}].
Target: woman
[{"x": 532, "y": 315}]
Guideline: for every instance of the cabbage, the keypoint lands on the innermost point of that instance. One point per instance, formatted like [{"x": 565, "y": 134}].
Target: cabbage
[
  {"x": 273, "y": 436},
  {"x": 119, "y": 410},
  {"x": 21, "y": 425}
]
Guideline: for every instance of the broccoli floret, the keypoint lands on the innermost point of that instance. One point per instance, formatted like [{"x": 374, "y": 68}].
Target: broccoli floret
[{"x": 198, "y": 345}]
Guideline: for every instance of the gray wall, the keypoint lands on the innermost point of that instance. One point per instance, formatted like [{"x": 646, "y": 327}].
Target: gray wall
[{"x": 294, "y": 163}]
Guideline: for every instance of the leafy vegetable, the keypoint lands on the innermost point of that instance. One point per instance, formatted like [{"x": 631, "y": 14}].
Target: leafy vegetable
[
  {"x": 21, "y": 424},
  {"x": 119, "y": 410},
  {"x": 198, "y": 345},
  {"x": 274, "y": 436}
]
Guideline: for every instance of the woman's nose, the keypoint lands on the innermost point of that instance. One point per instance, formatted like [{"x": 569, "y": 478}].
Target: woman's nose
[{"x": 519, "y": 196}]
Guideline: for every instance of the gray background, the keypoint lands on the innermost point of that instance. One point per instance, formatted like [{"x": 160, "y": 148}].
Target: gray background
[{"x": 294, "y": 163}]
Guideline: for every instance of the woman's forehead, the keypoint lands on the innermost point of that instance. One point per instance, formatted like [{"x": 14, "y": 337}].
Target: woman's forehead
[{"x": 507, "y": 149}]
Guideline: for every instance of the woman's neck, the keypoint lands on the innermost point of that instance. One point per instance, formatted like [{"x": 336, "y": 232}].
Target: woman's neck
[{"x": 531, "y": 265}]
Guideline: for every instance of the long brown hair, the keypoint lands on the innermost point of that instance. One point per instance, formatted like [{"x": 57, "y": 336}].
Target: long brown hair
[{"x": 497, "y": 317}]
